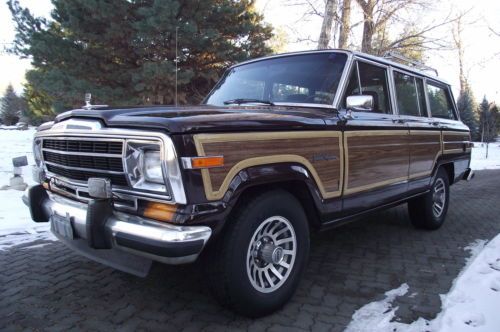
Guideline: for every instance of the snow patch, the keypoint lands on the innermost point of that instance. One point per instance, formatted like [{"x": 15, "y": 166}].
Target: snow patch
[
  {"x": 18, "y": 239},
  {"x": 471, "y": 304},
  {"x": 479, "y": 160}
]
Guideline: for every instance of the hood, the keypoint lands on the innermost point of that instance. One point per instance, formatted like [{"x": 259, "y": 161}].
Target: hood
[{"x": 195, "y": 119}]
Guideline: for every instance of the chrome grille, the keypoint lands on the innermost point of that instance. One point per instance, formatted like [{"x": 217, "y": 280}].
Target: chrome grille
[
  {"x": 79, "y": 159},
  {"x": 79, "y": 175},
  {"x": 94, "y": 162},
  {"x": 112, "y": 147}
]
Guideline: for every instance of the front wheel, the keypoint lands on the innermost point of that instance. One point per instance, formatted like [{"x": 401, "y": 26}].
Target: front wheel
[
  {"x": 257, "y": 264},
  {"x": 429, "y": 211}
]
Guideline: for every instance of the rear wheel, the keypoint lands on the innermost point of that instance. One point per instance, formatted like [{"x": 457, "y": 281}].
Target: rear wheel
[
  {"x": 256, "y": 265},
  {"x": 429, "y": 211}
]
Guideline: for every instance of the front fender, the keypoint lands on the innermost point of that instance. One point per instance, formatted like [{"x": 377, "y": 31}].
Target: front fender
[{"x": 264, "y": 175}]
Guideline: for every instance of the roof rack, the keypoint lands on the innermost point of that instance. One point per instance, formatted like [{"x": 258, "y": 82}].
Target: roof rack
[{"x": 409, "y": 62}]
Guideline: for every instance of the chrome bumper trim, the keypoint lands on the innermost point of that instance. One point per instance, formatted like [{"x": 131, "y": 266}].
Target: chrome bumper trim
[{"x": 140, "y": 229}]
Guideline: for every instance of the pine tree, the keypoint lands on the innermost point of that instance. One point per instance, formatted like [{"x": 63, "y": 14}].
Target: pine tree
[
  {"x": 496, "y": 114},
  {"x": 11, "y": 106},
  {"x": 466, "y": 105},
  {"x": 124, "y": 52},
  {"x": 488, "y": 121}
]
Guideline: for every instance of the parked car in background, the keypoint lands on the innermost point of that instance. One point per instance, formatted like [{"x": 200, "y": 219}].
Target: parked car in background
[
  {"x": 22, "y": 126},
  {"x": 17, "y": 126},
  {"x": 281, "y": 146}
]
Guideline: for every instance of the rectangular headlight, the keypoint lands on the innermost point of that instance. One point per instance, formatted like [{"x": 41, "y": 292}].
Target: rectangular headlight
[
  {"x": 152, "y": 166},
  {"x": 144, "y": 166}
]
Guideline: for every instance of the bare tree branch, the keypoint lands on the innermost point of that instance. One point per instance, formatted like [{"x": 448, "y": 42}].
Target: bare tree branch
[{"x": 494, "y": 32}]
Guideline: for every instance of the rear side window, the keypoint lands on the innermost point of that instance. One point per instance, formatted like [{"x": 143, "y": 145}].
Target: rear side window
[
  {"x": 406, "y": 94},
  {"x": 410, "y": 94},
  {"x": 440, "y": 102}
]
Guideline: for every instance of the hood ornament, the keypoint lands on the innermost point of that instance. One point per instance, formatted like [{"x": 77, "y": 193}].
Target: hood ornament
[{"x": 88, "y": 105}]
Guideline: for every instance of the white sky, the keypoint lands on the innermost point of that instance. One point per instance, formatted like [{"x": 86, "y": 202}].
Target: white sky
[{"x": 480, "y": 44}]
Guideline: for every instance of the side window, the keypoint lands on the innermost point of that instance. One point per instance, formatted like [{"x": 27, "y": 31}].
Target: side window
[
  {"x": 440, "y": 102},
  {"x": 406, "y": 94},
  {"x": 352, "y": 85},
  {"x": 373, "y": 83}
]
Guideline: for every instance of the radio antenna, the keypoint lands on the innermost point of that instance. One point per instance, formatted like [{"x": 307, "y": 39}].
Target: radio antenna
[{"x": 176, "y": 61}]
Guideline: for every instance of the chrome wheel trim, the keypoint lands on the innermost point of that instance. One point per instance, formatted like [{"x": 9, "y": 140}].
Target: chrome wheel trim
[
  {"x": 438, "y": 197},
  {"x": 271, "y": 254}
]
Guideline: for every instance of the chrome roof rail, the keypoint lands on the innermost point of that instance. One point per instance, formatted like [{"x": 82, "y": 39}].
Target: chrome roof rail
[{"x": 410, "y": 62}]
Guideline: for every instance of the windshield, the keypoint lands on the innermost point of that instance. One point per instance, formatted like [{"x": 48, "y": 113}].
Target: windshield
[{"x": 297, "y": 79}]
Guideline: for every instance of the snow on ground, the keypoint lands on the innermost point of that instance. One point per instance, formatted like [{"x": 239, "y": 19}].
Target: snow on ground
[
  {"x": 479, "y": 160},
  {"x": 471, "y": 305},
  {"x": 14, "y": 216}
]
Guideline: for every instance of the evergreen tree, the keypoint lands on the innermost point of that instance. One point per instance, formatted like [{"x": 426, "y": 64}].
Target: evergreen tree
[
  {"x": 124, "y": 52},
  {"x": 496, "y": 114},
  {"x": 466, "y": 105},
  {"x": 11, "y": 106},
  {"x": 488, "y": 121},
  {"x": 39, "y": 106}
]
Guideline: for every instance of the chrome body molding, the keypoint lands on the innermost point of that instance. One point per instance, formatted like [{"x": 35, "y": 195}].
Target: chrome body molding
[
  {"x": 122, "y": 224},
  {"x": 75, "y": 129}
]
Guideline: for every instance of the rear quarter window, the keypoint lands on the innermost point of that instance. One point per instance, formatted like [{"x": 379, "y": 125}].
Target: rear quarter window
[{"x": 440, "y": 102}]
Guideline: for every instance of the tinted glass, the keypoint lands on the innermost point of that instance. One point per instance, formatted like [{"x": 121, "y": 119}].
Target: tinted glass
[
  {"x": 440, "y": 102},
  {"x": 406, "y": 94},
  {"x": 307, "y": 78}
]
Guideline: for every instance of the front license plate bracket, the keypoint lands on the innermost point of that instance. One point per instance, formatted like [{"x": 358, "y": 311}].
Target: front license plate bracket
[{"x": 62, "y": 226}]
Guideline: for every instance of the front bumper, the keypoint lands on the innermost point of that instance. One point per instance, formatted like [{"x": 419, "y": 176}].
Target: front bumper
[{"x": 133, "y": 242}]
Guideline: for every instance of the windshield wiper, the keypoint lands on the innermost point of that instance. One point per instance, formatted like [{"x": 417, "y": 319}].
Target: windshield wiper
[{"x": 240, "y": 101}]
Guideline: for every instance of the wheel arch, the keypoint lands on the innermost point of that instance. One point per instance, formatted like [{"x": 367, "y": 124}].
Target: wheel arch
[
  {"x": 450, "y": 170},
  {"x": 291, "y": 178},
  {"x": 449, "y": 167}
]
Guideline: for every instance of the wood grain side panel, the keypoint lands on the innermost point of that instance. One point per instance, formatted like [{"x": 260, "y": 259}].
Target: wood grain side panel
[
  {"x": 375, "y": 159},
  {"x": 455, "y": 142},
  {"x": 425, "y": 148},
  {"x": 320, "y": 152}
]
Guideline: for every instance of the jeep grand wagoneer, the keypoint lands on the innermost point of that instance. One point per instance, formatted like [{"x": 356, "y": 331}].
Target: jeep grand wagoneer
[{"x": 281, "y": 146}]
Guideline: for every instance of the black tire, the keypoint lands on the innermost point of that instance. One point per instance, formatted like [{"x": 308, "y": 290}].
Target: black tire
[
  {"x": 227, "y": 259},
  {"x": 424, "y": 214}
]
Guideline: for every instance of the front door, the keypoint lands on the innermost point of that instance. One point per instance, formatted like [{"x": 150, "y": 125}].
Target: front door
[{"x": 375, "y": 144}]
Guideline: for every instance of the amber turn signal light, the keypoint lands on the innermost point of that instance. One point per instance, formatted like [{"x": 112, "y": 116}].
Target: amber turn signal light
[
  {"x": 159, "y": 211},
  {"x": 203, "y": 162}
]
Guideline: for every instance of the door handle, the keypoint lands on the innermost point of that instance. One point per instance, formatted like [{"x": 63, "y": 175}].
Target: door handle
[
  {"x": 401, "y": 121},
  {"x": 435, "y": 123}
]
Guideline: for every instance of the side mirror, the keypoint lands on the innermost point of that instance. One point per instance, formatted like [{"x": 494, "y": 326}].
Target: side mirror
[{"x": 360, "y": 103}]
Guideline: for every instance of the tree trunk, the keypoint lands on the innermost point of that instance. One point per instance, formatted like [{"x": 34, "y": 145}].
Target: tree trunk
[
  {"x": 368, "y": 7},
  {"x": 460, "y": 48},
  {"x": 345, "y": 24},
  {"x": 326, "y": 27}
]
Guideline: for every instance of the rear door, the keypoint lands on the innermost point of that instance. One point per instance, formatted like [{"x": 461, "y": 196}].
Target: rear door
[
  {"x": 456, "y": 145},
  {"x": 376, "y": 143},
  {"x": 425, "y": 133}
]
